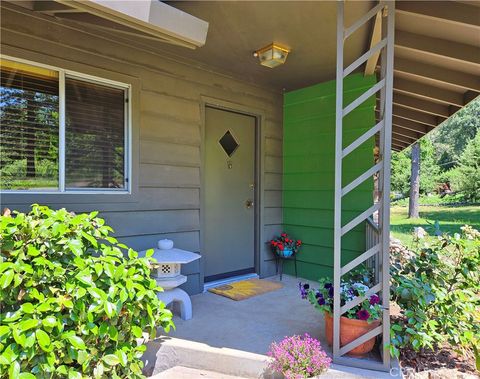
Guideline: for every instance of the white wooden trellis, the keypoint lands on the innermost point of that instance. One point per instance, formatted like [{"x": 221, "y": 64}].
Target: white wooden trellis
[{"x": 384, "y": 87}]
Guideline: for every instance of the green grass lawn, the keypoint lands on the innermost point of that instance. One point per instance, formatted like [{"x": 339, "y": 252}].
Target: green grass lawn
[{"x": 450, "y": 219}]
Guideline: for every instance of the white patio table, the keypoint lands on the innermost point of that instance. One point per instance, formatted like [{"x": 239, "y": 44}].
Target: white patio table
[{"x": 167, "y": 274}]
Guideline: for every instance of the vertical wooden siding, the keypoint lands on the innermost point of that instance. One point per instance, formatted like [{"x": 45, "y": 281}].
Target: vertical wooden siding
[
  {"x": 167, "y": 122},
  {"x": 308, "y": 172}
]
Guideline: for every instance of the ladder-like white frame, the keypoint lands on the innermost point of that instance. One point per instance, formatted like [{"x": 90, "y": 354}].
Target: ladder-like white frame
[{"x": 384, "y": 127}]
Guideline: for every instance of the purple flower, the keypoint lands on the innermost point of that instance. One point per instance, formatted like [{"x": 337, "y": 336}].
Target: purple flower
[
  {"x": 363, "y": 314},
  {"x": 328, "y": 285},
  {"x": 320, "y": 300},
  {"x": 374, "y": 299},
  {"x": 303, "y": 289},
  {"x": 330, "y": 292}
]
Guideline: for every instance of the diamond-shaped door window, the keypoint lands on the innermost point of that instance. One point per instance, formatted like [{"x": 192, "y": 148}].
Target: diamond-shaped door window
[{"x": 228, "y": 143}]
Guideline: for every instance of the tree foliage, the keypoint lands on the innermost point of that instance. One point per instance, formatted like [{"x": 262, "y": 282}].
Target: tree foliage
[
  {"x": 72, "y": 305},
  {"x": 454, "y": 134},
  {"x": 466, "y": 176},
  {"x": 444, "y": 156},
  {"x": 429, "y": 170}
]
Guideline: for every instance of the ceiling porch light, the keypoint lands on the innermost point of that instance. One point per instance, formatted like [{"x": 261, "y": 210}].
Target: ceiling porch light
[{"x": 272, "y": 55}]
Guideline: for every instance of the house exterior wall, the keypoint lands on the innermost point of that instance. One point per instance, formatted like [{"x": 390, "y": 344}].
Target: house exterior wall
[
  {"x": 167, "y": 103},
  {"x": 309, "y": 170}
]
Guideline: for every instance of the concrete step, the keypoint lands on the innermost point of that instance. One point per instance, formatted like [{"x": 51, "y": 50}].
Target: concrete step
[
  {"x": 166, "y": 355},
  {"x": 180, "y": 372}
]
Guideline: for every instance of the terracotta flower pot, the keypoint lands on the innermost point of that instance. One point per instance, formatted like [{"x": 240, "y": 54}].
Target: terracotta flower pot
[{"x": 350, "y": 330}]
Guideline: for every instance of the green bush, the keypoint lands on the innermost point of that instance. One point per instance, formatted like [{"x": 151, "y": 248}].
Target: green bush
[
  {"x": 72, "y": 304},
  {"x": 438, "y": 290}
]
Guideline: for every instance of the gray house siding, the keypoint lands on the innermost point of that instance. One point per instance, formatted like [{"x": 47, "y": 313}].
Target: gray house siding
[{"x": 166, "y": 133}]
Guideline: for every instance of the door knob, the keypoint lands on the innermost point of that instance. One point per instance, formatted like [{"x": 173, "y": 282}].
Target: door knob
[{"x": 249, "y": 203}]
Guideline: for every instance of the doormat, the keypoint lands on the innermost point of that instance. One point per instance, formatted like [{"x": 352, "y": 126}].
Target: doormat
[{"x": 246, "y": 288}]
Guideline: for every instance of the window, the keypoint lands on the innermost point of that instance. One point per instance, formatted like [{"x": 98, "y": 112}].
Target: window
[{"x": 61, "y": 131}]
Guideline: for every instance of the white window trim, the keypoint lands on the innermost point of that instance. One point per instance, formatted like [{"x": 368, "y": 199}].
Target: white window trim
[{"x": 62, "y": 74}]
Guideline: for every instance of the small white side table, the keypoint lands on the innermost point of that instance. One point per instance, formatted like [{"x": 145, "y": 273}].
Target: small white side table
[{"x": 167, "y": 274}]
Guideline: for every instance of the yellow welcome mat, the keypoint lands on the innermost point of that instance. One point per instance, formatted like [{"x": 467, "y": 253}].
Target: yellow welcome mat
[{"x": 246, "y": 288}]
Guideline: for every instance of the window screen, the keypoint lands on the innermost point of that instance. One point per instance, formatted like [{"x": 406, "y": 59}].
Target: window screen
[
  {"x": 95, "y": 136},
  {"x": 28, "y": 127}
]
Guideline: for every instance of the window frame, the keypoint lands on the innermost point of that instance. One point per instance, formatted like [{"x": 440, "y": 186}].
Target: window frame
[{"x": 62, "y": 75}]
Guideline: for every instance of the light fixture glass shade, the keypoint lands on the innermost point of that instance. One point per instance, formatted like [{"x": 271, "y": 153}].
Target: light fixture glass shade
[{"x": 272, "y": 55}]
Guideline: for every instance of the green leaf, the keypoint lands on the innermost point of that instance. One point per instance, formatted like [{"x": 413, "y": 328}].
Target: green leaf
[
  {"x": 98, "y": 371},
  {"x": 14, "y": 370},
  {"x": 113, "y": 333},
  {"x": 27, "y": 324},
  {"x": 111, "y": 359},
  {"x": 85, "y": 277},
  {"x": 149, "y": 253},
  {"x": 122, "y": 357},
  {"x": 110, "y": 309},
  {"x": 103, "y": 330},
  {"x": 76, "y": 342},
  {"x": 76, "y": 246},
  {"x": 26, "y": 375},
  {"x": 9, "y": 354},
  {"x": 6, "y": 278},
  {"x": 49, "y": 321},
  {"x": 19, "y": 337},
  {"x": 74, "y": 374},
  {"x": 82, "y": 356},
  {"x": 136, "y": 331},
  {"x": 27, "y": 308},
  {"x": 43, "y": 339}
]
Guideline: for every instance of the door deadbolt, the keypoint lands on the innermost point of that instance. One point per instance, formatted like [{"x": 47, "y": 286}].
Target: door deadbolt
[{"x": 249, "y": 203}]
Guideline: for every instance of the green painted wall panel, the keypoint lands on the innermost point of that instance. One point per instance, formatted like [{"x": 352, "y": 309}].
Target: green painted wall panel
[{"x": 308, "y": 172}]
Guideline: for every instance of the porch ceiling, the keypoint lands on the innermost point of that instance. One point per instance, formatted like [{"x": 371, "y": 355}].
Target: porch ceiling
[
  {"x": 436, "y": 67},
  {"x": 437, "y": 51}
]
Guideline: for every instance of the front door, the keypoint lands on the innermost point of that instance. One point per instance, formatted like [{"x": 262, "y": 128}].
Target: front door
[{"x": 229, "y": 189}]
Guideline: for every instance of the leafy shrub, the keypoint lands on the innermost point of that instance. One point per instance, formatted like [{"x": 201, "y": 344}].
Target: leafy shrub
[
  {"x": 298, "y": 357},
  {"x": 72, "y": 304},
  {"x": 438, "y": 290}
]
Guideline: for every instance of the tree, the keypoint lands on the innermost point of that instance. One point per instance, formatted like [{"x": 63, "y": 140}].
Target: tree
[
  {"x": 414, "y": 182},
  {"x": 400, "y": 172},
  {"x": 466, "y": 176},
  {"x": 453, "y": 135}
]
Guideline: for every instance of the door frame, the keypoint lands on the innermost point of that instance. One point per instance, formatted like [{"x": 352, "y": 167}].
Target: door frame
[{"x": 259, "y": 115}]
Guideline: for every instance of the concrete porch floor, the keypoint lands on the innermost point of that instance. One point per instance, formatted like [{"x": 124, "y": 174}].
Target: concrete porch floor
[
  {"x": 253, "y": 324},
  {"x": 233, "y": 337}
]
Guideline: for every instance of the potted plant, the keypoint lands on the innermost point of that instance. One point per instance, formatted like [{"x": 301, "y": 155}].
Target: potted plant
[
  {"x": 298, "y": 357},
  {"x": 284, "y": 246},
  {"x": 355, "y": 322}
]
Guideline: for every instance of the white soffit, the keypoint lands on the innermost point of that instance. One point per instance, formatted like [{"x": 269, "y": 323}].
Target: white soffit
[{"x": 151, "y": 17}]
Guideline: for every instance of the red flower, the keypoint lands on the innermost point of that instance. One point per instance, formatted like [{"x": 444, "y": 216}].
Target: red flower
[
  {"x": 284, "y": 234},
  {"x": 299, "y": 242},
  {"x": 280, "y": 246}
]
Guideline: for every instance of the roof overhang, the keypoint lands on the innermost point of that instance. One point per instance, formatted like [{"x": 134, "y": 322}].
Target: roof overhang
[
  {"x": 149, "y": 19},
  {"x": 436, "y": 65}
]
